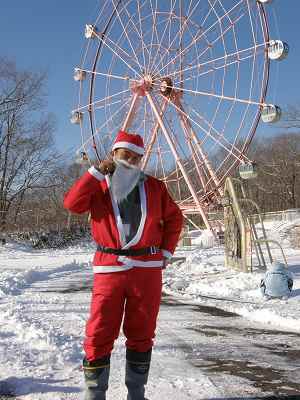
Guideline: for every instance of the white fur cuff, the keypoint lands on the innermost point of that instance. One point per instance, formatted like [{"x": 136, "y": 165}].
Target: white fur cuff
[
  {"x": 167, "y": 254},
  {"x": 96, "y": 174}
]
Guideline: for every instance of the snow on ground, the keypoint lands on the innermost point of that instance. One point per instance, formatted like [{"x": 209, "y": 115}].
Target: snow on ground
[
  {"x": 204, "y": 274},
  {"x": 44, "y": 306}
]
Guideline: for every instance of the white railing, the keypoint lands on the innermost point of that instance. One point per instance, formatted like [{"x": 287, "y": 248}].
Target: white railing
[{"x": 284, "y": 215}]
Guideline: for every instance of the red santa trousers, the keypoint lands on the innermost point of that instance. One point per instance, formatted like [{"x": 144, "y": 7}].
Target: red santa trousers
[{"x": 136, "y": 294}]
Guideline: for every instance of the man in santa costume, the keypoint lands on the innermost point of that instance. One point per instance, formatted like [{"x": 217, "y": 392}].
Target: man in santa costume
[{"x": 136, "y": 226}]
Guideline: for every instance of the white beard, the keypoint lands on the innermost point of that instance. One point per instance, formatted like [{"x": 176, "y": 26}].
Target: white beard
[{"x": 124, "y": 179}]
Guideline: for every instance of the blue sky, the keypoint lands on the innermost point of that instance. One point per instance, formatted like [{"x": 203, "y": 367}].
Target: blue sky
[{"x": 48, "y": 35}]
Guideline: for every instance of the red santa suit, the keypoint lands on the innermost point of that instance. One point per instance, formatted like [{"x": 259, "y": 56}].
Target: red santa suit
[{"x": 122, "y": 284}]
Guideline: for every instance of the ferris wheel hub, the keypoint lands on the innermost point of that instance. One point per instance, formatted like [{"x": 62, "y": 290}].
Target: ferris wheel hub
[
  {"x": 142, "y": 86},
  {"x": 148, "y": 79}
]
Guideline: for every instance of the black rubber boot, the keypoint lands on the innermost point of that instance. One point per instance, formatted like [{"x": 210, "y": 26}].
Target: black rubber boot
[
  {"x": 137, "y": 371},
  {"x": 96, "y": 375}
]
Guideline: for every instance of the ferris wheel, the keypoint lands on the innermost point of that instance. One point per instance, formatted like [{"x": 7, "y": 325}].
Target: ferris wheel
[{"x": 190, "y": 76}]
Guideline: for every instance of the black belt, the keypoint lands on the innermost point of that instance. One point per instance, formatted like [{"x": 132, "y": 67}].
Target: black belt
[{"x": 144, "y": 251}]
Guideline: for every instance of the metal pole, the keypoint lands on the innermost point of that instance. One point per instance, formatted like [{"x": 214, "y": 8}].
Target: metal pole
[
  {"x": 189, "y": 128},
  {"x": 131, "y": 112},
  {"x": 153, "y": 136},
  {"x": 267, "y": 241},
  {"x": 178, "y": 160},
  {"x": 185, "y": 130},
  {"x": 259, "y": 216},
  {"x": 262, "y": 226}
]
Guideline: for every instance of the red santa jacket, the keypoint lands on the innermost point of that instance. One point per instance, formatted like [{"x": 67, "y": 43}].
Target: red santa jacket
[{"x": 160, "y": 225}]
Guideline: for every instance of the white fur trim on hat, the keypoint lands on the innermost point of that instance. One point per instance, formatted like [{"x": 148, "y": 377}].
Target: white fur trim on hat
[{"x": 129, "y": 146}]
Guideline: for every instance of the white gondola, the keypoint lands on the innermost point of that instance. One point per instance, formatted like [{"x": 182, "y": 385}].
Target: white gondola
[
  {"x": 79, "y": 74},
  {"x": 76, "y": 117},
  {"x": 82, "y": 158},
  {"x": 90, "y": 31},
  {"x": 265, "y": 1},
  {"x": 248, "y": 170},
  {"x": 271, "y": 113},
  {"x": 278, "y": 50}
]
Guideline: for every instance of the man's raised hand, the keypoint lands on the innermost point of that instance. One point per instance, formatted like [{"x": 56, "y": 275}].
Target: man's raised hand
[{"x": 106, "y": 167}]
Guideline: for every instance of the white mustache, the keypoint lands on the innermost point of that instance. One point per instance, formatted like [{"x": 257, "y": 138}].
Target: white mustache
[
  {"x": 124, "y": 179},
  {"x": 125, "y": 163}
]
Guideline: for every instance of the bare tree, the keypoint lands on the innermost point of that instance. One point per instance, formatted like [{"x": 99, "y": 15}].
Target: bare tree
[
  {"x": 291, "y": 118},
  {"x": 27, "y": 154},
  {"x": 277, "y": 185}
]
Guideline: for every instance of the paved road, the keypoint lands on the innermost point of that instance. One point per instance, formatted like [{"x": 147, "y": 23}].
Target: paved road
[
  {"x": 229, "y": 348},
  {"x": 223, "y": 345}
]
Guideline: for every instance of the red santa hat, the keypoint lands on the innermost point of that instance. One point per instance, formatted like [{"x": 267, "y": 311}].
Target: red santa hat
[{"x": 129, "y": 141}]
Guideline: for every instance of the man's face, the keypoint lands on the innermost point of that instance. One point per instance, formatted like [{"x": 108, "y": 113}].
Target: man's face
[
  {"x": 127, "y": 173},
  {"x": 127, "y": 155}
]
